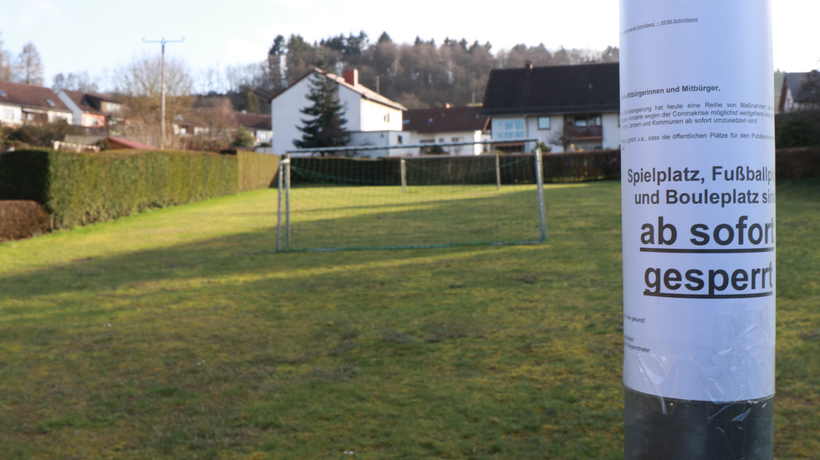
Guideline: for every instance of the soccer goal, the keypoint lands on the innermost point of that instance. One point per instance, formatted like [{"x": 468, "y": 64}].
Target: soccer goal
[{"x": 342, "y": 203}]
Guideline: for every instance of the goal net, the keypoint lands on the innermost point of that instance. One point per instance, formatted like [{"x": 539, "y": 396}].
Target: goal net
[{"x": 339, "y": 203}]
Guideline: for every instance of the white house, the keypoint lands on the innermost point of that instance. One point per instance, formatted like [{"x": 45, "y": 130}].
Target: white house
[
  {"x": 21, "y": 104},
  {"x": 792, "y": 98},
  {"x": 579, "y": 103},
  {"x": 371, "y": 118},
  {"x": 448, "y": 124}
]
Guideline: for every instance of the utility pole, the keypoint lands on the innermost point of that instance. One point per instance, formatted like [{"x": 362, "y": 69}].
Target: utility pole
[
  {"x": 699, "y": 316},
  {"x": 162, "y": 109}
]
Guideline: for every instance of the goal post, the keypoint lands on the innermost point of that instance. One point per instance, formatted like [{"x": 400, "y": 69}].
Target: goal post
[{"x": 343, "y": 203}]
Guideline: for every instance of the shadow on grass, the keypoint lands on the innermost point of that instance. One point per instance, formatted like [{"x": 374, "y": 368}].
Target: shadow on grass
[{"x": 255, "y": 252}]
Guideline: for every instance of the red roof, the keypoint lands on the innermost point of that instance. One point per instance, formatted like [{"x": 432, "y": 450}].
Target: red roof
[
  {"x": 78, "y": 97},
  {"x": 30, "y": 96}
]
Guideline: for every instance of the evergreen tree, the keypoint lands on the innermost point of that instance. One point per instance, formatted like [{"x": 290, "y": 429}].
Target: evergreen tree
[
  {"x": 250, "y": 103},
  {"x": 244, "y": 138},
  {"x": 326, "y": 125}
]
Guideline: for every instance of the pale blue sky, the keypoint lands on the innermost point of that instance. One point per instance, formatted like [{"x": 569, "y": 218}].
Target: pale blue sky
[{"x": 98, "y": 35}]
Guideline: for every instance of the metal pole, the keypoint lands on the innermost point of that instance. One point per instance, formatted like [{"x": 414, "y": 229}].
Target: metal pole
[
  {"x": 287, "y": 199},
  {"x": 699, "y": 317},
  {"x": 539, "y": 180},
  {"x": 497, "y": 172},
  {"x": 403, "y": 177},
  {"x": 279, "y": 211},
  {"x": 162, "y": 109}
]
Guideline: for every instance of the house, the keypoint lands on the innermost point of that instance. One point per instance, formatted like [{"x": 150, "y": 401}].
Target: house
[
  {"x": 447, "y": 124},
  {"x": 21, "y": 104},
  {"x": 93, "y": 110},
  {"x": 570, "y": 108},
  {"x": 792, "y": 98},
  {"x": 258, "y": 125},
  {"x": 372, "y": 119}
]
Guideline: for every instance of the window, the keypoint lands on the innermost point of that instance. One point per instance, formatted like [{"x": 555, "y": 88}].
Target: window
[
  {"x": 455, "y": 139},
  {"x": 580, "y": 122},
  {"x": 399, "y": 140},
  {"x": 509, "y": 128},
  {"x": 543, "y": 122},
  {"x": 50, "y": 103},
  {"x": 111, "y": 107},
  {"x": 3, "y": 93},
  {"x": 597, "y": 121},
  {"x": 387, "y": 118}
]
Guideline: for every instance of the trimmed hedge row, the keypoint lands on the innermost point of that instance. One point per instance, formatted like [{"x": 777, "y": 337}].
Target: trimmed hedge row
[
  {"x": 432, "y": 170},
  {"x": 257, "y": 170},
  {"x": 81, "y": 188},
  {"x": 797, "y": 163}
]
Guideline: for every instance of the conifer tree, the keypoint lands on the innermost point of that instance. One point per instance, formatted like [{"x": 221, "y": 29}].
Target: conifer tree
[{"x": 325, "y": 126}]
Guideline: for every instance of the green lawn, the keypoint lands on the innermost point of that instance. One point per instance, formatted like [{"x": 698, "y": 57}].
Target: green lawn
[{"x": 181, "y": 333}]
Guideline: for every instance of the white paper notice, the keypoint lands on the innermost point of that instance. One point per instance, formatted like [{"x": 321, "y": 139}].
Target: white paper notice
[{"x": 698, "y": 197}]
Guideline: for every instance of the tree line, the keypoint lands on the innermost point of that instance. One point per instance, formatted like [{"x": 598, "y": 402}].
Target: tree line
[{"x": 418, "y": 75}]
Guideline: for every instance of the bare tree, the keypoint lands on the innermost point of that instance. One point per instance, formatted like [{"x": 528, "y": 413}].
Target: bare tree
[
  {"x": 565, "y": 137},
  {"x": 5, "y": 63},
  {"x": 75, "y": 82},
  {"x": 28, "y": 68},
  {"x": 140, "y": 86}
]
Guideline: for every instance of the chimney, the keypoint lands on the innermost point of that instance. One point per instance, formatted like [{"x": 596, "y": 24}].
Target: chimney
[
  {"x": 528, "y": 67},
  {"x": 352, "y": 77}
]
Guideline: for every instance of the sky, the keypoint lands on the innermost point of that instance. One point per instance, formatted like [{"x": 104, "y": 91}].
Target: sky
[{"x": 97, "y": 36}]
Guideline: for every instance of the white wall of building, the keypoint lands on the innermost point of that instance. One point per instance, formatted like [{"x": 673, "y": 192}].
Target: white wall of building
[
  {"x": 11, "y": 114},
  {"x": 460, "y": 136},
  {"x": 56, "y": 116},
  {"x": 379, "y": 117},
  {"x": 612, "y": 131},
  {"x": 285, "y": 116},
  {"x": 76, "y": 111},
  {"x": 381, "y": 138}
]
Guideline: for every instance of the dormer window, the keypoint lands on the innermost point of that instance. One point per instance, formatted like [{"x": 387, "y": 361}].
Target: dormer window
[
  {"x": 50, "y": 103},
  {"x": 3, "y": 93}
]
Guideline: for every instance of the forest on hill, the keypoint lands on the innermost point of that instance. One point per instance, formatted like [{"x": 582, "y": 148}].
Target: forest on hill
[{"x": 418, "y": 75}]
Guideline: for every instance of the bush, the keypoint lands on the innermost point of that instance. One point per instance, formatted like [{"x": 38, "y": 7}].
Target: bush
[
  {"x": 81, "y": 188},
  {"x": 22, "y": 219},
  {"x": 41, "y": 135},
  {"x": 244, "y": 138}
]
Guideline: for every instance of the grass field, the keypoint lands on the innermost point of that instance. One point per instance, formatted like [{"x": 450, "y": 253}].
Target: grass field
[
  {"x": 181, "y": 333},
  {"x": 384, "y": 216}
]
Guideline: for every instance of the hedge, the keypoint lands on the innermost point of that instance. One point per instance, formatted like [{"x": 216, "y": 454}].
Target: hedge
[
  {"x": 431, "y": 170},
  {"x": 797, "y": 163},
  {"x": 81, "y": 188},
  {"x": 256, "y": 170}
]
